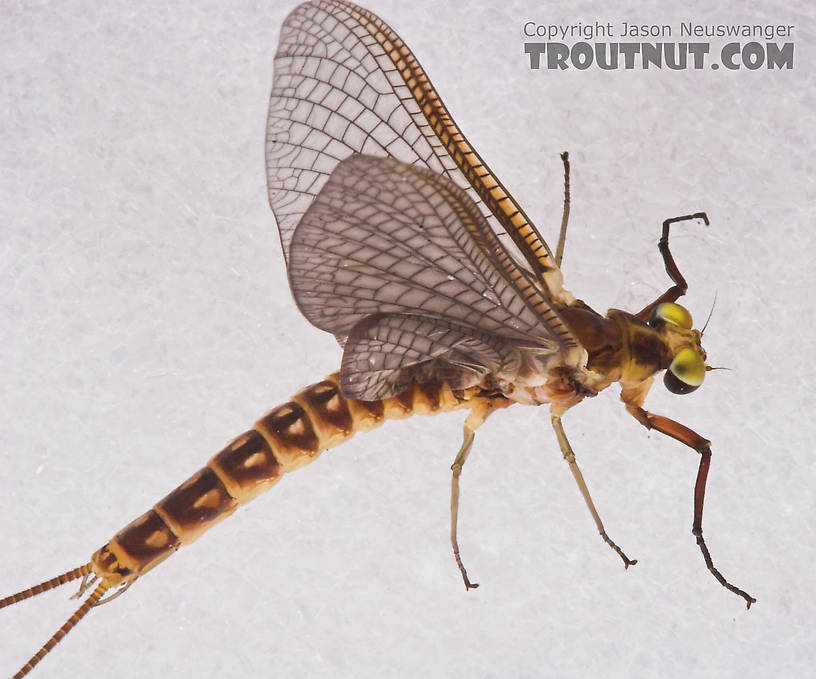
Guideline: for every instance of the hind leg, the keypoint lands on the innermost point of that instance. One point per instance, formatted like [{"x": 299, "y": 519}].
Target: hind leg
[{"x": 478, "y": 414}]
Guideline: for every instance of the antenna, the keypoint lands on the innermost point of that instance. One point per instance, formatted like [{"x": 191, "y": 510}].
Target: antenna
[{"x": 713, "y": 304}]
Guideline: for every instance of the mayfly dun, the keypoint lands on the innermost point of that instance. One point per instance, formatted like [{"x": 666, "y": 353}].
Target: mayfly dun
[{"x": 400, "y": 242}]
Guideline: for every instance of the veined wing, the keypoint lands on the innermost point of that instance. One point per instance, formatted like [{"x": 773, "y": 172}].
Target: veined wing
[
  {"x": 399, "y": 263},
  {"x": 387, "y": 353},
  {"x": 346, "y": 83}
]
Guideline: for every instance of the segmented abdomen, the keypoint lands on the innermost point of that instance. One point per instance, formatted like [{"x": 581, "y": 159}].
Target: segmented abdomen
[{"x": 287, "y": 438}]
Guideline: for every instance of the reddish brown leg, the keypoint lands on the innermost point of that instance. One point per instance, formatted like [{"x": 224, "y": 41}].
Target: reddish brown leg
[
  {"x": 703, "y": 446},
  {"x": 680, "y": 286}
]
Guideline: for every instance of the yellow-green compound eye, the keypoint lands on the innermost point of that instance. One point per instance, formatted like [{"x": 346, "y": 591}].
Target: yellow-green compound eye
[
  {"x": 669, "y": 312},
  {"x": 685, "y": 373}
]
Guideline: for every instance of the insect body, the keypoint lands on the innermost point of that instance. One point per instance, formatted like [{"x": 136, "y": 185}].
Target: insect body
[{"x": 401, "y": 243}]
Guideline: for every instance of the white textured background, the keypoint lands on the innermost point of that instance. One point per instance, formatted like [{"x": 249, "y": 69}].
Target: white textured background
[{"x": 146, "y": 319}]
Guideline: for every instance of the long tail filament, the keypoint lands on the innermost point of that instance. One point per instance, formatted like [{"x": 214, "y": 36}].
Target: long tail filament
[{"x": 87, "y": 605}]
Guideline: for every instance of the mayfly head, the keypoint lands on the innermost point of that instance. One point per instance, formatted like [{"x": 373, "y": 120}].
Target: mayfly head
[{"x": 687, "y": 369}]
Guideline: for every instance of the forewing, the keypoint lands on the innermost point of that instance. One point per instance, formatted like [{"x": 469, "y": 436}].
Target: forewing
[
  {"x": 345, "y": 83},
  {"x": 386, "y": 237}
]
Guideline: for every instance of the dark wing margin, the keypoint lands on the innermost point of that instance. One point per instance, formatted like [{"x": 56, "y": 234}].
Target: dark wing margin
[{"x": 346, "y": 83}]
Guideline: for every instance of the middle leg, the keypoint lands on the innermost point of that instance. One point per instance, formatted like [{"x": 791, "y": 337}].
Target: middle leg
[{"x": 569, "y": 456}]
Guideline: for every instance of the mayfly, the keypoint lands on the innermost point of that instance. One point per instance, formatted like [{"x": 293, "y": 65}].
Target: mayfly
[{"x": 401, "y": 243}]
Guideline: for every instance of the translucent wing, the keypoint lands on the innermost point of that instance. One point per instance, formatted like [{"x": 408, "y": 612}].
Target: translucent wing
[
  {"x": 345, "y": 83},
  {"x": 398, "y": 259},
  {"x": 386, "y": 353}
]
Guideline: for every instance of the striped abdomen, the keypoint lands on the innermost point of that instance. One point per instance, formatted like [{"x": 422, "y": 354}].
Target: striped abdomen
[{"x": 286, "y": 438}]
